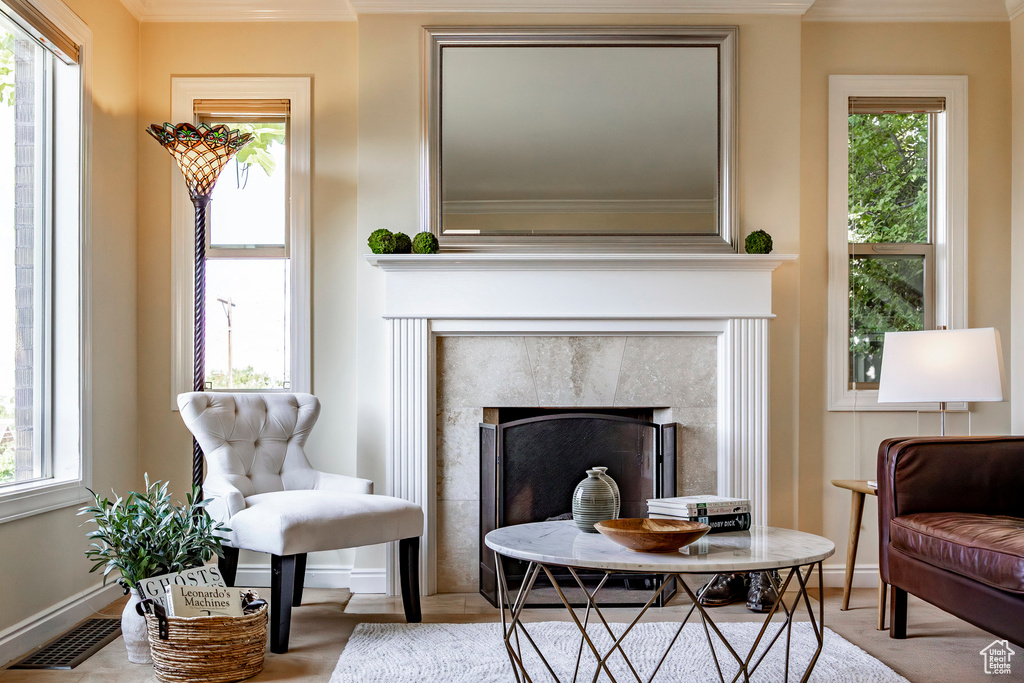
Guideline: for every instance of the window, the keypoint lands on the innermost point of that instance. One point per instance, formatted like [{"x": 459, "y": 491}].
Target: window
[
  {"x": 897, "y": 200},
  {"x": 44, "y": 445},
  {"x": 257, "y": 251},
  {"x": 247, "y": 268}
]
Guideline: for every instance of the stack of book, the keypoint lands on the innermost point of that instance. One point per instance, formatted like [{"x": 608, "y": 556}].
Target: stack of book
[{"x": 719, "y": 513}]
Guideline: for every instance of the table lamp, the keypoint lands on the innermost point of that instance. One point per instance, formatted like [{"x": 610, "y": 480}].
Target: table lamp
[{"x": 941, "y": 366}]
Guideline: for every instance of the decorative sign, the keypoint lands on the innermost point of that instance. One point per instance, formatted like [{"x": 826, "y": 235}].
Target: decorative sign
[
  {"x": 155, "y": 587},
  {"x": 204, "y": 601}
]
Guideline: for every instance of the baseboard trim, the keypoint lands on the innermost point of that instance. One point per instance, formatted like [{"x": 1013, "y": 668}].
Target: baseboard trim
[
  {"x": 369, "y": 581},
  {"x": 864, "y": 576},
  {"x": 317, "y": 576},
  {"x": 27, "y": 635}
]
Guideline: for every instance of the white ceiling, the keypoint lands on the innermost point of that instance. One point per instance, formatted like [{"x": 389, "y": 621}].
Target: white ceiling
[{"x": 348, "y": 10}]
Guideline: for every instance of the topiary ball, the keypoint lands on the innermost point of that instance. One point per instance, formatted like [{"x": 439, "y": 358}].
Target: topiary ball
[
  {"x": 403, "y": 245},
  {"x": 381, "y": 241},
  {"x": 759, "y": 242},
  {"x": 424, "y": 243}
]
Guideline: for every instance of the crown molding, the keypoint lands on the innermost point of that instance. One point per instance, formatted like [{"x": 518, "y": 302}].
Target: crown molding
[
  {"x": 910, "y": 10},
  {"x": 201, "y": 11},
  {"x": 585, "y": 6},
  {"x": 1014, "y": 8},
  {"x": 136, "y": 7}
]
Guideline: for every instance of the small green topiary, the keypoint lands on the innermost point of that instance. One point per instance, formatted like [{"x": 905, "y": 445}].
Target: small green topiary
[
  {"x": 382, "y": 241},
  {"x": 403, "y": 245},
  {"x": 759, "y": 242},
  {"x": 424, "y": 243}
]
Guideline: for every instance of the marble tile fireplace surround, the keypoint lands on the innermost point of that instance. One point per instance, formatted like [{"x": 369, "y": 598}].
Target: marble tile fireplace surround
[{"x": 685, "y": 334}]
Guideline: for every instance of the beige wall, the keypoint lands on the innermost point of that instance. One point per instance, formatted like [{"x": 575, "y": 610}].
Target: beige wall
[
  {"x": 769, "y": 190},
  {"x": 842, "y": 445},
  {"x": 327, "y": 53},
  {"x": 43, "y": 562},
  {"x": 366, "y": 98},
  {"x": 1016, "y": 349}
]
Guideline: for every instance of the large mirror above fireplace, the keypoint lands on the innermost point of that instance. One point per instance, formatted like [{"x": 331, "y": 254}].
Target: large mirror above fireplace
[{"x": 580, "y": 139}]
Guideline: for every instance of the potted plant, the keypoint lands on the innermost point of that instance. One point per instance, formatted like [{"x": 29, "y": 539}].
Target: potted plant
[{"x": 144, "y": 535}]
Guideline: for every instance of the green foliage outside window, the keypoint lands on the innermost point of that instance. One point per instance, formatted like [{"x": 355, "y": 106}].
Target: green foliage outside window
[
  {"x": 888, "y": 190},
  {"x": 243, "y": 378}
]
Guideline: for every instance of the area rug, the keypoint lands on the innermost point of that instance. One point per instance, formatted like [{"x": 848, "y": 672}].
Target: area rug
[{"x": 475, "y": 653}]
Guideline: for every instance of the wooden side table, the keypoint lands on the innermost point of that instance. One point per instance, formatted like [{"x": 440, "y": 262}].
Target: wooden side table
[{"x": 860, "y": 488}]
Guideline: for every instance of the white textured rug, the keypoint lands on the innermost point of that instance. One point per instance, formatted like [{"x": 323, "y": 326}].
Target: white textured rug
[{"x": 474, "y": 653}]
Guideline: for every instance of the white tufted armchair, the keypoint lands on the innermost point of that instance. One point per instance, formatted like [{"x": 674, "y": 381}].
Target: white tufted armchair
[{"x": 265, "y": 490}]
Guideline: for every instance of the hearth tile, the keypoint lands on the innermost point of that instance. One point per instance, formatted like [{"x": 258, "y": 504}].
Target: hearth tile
[
  {"x": 668, "y": 371},
  {"x": 458, "y": 524},
  {"x": 458, "y": 453},
  {"x": 575, "y": 371},
  {"x": 460, "y": 571},
  {"x": 484, "y": 371}
]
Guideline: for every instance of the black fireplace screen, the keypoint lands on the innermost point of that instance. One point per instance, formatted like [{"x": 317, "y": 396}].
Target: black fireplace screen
[{"x": 529, "y": 468}]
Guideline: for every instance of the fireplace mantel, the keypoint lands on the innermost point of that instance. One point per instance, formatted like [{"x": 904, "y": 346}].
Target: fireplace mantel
[
  {"x": 727, "y": 296},
  {"x": 578, "y": 286}
]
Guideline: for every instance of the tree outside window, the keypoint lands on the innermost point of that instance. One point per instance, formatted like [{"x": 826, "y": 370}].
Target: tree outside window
[{"x": 889, "y": 234}]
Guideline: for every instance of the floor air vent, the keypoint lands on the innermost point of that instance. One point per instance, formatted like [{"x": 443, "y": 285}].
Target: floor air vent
[{"x": 74, "y": 647}]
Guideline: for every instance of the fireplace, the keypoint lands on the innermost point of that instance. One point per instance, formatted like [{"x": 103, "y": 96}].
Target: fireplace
[
  {"x": 642, "y": 304},
  {"x": 531, "y": 460}
]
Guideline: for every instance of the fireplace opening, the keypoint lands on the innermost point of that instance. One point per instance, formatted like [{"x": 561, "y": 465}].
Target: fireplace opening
[{"x": 531, "y": 460}]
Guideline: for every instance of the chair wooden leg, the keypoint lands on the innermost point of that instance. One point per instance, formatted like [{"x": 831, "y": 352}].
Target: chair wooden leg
[
  {"x": 409, "y": 573},
  {"x": 282, "y": 591},
  {"x": 898, "y": 613},
  {"x": 300, "y": 578},
  {"x": 882, "y": 586},
  {"x": 228, "y": 565}
]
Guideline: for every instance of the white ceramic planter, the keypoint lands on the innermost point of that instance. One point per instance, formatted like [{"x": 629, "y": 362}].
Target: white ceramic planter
[{"x": 133, "y": 630}]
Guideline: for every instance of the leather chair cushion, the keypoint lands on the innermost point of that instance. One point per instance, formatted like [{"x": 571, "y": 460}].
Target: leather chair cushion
[
  {"x": 293, "y": 522},
  {"x": 986, "y": 548}
]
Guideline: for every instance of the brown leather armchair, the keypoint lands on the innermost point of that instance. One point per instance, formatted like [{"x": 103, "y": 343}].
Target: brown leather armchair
[{"x": 951, "y": 529}]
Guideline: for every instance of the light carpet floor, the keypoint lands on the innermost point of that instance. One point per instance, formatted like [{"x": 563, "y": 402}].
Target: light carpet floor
[{"x": 475, "y": 653}]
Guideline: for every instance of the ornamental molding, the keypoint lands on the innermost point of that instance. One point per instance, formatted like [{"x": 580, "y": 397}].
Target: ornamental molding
[
  {"x": 240, "y": 10},
  {"x": 910, "y": 10},
  {"x": 348, "y": 10}
]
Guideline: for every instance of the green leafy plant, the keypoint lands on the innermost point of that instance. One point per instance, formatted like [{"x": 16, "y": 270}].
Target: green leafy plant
[
  {"x": 146, "y": 534},
  {"x": 403, "y": 245},
  {"x": 381, "y": 241},
  {"x": 759, "y": 242},
  {"x": 424, "y": 243}
]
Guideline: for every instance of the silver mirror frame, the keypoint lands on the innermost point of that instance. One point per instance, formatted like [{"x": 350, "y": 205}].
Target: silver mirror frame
[{"x": 436, "y": 38}]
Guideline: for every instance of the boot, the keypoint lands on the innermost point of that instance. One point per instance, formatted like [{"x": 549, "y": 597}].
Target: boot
[
  {"x": 723, "y": 589},
  {"x": 761, "y": 595}
]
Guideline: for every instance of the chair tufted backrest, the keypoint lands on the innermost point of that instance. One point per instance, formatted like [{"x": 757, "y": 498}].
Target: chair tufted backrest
[{"x": 253, "y": 441}]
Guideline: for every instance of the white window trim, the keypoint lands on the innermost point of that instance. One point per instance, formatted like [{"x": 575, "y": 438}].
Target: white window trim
[
  {"x": 184, "y": 91},
  {"x": 950, "y": 226},
  {"x": 70, "y": 420}
]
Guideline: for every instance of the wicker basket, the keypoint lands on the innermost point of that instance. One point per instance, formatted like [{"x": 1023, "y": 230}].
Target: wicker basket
[{"x": 208, "y": 649}]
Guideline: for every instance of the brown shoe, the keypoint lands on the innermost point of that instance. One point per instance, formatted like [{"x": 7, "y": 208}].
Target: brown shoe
[
  {"x": 723, "y": 589},
  {"x": 762, "y": 595}
]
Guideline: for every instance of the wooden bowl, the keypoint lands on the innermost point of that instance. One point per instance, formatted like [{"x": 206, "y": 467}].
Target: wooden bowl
[{"x": 652, "y": 535}]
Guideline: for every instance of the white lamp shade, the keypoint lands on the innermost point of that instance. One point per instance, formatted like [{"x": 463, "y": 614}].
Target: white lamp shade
[{"x": 941, "y": 365}]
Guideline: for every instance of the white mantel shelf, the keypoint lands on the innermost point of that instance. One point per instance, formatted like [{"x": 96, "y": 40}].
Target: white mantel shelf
[
  {"x": 577, "y": 286},
  {"x": 595, "y": 261}
]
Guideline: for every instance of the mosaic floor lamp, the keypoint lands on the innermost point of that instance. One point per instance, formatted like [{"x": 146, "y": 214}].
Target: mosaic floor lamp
[{"x": 201, "y": 152}]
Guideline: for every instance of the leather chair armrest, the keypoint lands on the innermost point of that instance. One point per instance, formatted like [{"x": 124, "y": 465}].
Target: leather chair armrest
[{"x": 328, "y": 481}]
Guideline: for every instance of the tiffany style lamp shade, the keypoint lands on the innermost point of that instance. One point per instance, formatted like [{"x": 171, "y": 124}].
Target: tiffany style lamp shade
[{"x": 201, "y": 152}]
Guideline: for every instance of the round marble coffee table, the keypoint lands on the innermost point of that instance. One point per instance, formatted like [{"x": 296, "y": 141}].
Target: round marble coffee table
[{"x": 560, "y": 544}]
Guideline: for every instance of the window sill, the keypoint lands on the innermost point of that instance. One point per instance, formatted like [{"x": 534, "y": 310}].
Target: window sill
[
  {"x": 866, "y": 400},
  {"x": 33, "y": 498}
]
